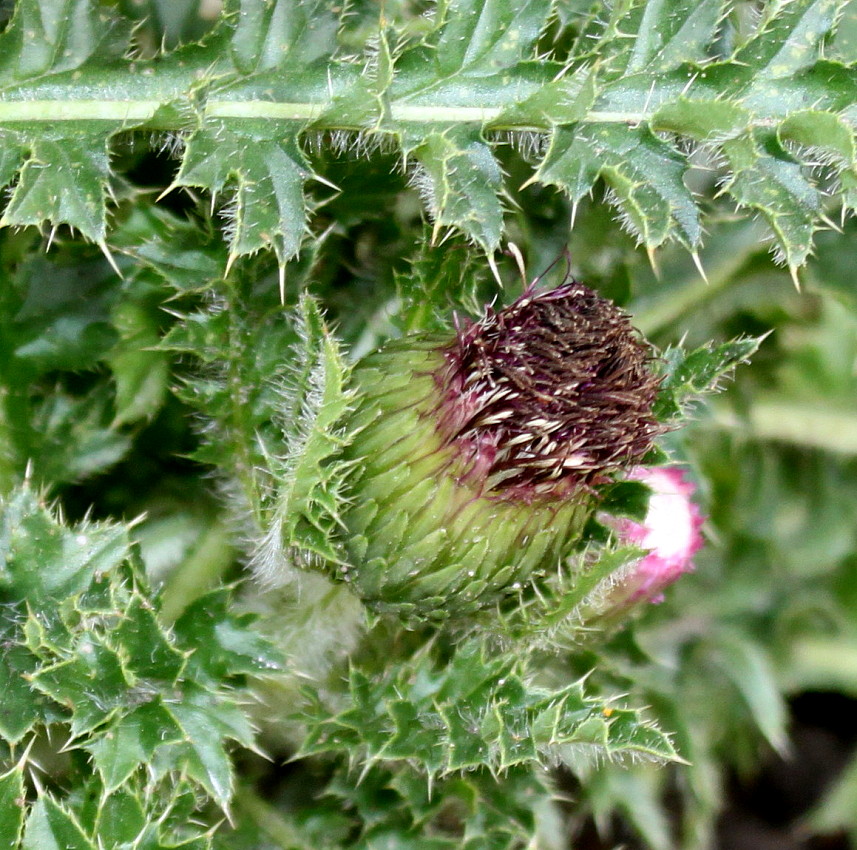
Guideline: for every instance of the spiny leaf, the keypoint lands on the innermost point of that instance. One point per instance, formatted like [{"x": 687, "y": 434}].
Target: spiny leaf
[
  {"x": 266, "y": 174},
  {"x": 400, "y": 808},
  {"x": 687, "y": 375},
  {"x": 672, "y": 32},
  {"x": 273, "y": 68},
  {"x": 233, "y": 646},
  {"x": 270, "y": 35},
  {"x": 45, "y": 562},
  {"x": 701, "y": 120},
  {"x": 643, "y": 173},
  {"x": 56, "y": 36},
  {"x": 788, "y": 37},
  {"x": 22, "y": 708},
  {"x": 459, "y": 180},
  {"x": 51, "y": 825},
  {"x": 474, "y": 711},
  {"x": 829, "y": 137},
  {"x": 204, "y": 727},
  {"x": 92, "y": 647},
  {"x": 309, "y": 480},
  {"x": 764, "y": 178},
  {"x": 12, "y": 802},
  {"x": 63, "y": 181},
  {"x": 557, "y": 613},
  {"x": 487, "y": 36}
]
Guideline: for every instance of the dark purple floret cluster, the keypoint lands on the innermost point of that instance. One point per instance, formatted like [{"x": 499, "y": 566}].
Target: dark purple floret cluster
[{"x": 546, "y": 396}]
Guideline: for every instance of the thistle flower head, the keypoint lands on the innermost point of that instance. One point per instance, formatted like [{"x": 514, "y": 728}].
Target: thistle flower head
[
  {"x": 478, "y": 452},
  {"x": 543, "y": 398},
  {"x": 670, "y": 531}
]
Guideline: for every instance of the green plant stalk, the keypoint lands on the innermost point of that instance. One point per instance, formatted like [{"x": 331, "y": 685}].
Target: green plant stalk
[
  {"x": 201, "y": 570},
  {"x": 791, "y": 422},
  {"x": 146, "y": 96}
]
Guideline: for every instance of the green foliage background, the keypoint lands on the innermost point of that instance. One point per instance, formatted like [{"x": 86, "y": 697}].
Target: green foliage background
[{"x": 195, "y": 198}]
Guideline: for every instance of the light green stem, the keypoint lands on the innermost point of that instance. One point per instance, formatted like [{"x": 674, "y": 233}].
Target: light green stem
[
  {"x": 802, "y": 424},
  {"x": 199, "y": 571}
]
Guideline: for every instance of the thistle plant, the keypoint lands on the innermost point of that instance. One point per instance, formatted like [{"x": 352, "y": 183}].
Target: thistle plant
[
  {"x": 318, "y": 528},
  {"x": 478, "y": 455}
]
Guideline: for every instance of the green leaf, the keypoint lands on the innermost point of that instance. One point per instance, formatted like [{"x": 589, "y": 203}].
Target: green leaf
[
  {"x": 701, "y": 119},
  {"x": 52, "y": 827},
  {"x": 478, "y": 710},
  {"x": 225, "y": 644},
  {"x": 459, "y": 180},
  {"x": 185, "y": 255},
  {"x": 764, "y": 179},
  {"x": 73, "y": 438},
  {"x": 438, "y": 278},
  {"x": 560, "y": 101},
  {"x": 788, "y": 37},
  {"x": 828, "y": 136},
  {"x": 46, "y": 562},
  {"x": 93, "y": 647},
  {"x": 688, "y": 375},
  {"x": 752, "y": 673},
  {"x": 119, "y": 753},
  {"x": 63, "y": 181},
  {"x": 12, "y": 804},
  {"x": 93, "y": 684},
  {"x": 204, "y": 727},
  {"x": 672, "y": 32},
  {"x": 397, "y": 807},
  {"x": 52, "y": 36},
  {"x": 22, "y": 708},
  {"x": 309, "y": 479},
  {"x": 148, "y": 651},
  {"x": 644, "y": 175},
  {"x": 12, "y": 156},
  {"x": 121, "y": 817},
  {"x": 141, "y": 372},
  {"x": 487, "y": 36},
  {"x": 270, "y": 35},
  {"x": 264, "y": 175}
]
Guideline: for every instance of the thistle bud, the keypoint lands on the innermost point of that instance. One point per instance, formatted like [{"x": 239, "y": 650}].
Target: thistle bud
[{"x": 478, "y": 453}]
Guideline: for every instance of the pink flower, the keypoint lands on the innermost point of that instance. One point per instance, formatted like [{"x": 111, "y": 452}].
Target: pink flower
[{"x": 670, "y": 531}]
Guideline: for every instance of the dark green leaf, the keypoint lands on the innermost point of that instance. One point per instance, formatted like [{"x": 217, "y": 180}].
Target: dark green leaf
[
  {"x": 788, "y": 37},
  {"x": 459, "y": 180},
  {"x": 643, "y": 173},
  {"x": 773, "y": 184},
  {"x": 478, "y": 711},
  {"x": 47, "y": 562},
  {"x": 264, "y": 176},
  {"x": 270, "y": 35},
  {"x": 687, "y": 375},
  {"x": 672, "y": 32},
  {"x": 224, "y": 644},
  {"x": 63, "y": 181},
  {"x": 51, "y": 36},
  {"x": 12, "y": 804},
  {"x": 141, "y": 373},
  {"x": 488, "y": 36},
  {"x": 49, "y": 825}
]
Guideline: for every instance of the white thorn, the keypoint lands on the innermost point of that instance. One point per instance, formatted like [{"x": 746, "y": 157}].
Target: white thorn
[
  {"x": 515, "y": 251},
  {"x": 106, "y": 251},
  {"x": 494, "y": 270},
  {"x": 698, "y": 263}
]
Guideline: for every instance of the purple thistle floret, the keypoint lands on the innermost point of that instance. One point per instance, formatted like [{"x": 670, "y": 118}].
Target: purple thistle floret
[{"x": 544, "y": 398}]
